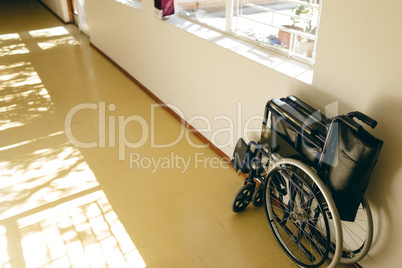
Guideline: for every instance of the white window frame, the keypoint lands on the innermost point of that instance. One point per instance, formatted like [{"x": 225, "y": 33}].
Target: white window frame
[{"x": 232, "y": 26}]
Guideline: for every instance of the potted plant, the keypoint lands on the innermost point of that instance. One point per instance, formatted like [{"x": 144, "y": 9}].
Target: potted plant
[{"x": 302, "y": 45}]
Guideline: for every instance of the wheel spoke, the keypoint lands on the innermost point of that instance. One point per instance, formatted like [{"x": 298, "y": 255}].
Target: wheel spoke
[{"x": 297, "y": 217}]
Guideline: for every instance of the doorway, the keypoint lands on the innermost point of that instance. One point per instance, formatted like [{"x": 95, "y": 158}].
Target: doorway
[{"x": 78, "y": 15}]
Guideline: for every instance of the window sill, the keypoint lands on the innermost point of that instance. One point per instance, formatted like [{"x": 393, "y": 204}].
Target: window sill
[
  {"x": 131, "y": 3},
  {"x": 295, "y": 69}
]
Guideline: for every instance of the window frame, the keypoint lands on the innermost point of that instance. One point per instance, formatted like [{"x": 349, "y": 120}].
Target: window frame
[{"x": 232, "y": 28}]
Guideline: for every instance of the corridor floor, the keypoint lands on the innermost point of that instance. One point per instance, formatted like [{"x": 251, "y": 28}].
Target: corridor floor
[{"x": 82, "y": 180}]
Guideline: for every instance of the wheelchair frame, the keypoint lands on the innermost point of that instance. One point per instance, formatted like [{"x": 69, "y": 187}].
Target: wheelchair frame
[{"x": 292, "y": 181}]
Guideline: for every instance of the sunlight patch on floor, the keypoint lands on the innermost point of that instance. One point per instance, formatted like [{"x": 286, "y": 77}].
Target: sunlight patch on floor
[
  {"x": 13, "y": 50},
  {"x": 53, "y": 211},
  {"x": 70, "y": 40},
  {"x": 8, "y": 37},
  {"x": 42, "y": 176},
  {"x": 4, "y": 148},
  {"x": 48, "y": 32},
  {"x": 84, "y": 232},
  {"x": 4, "y": 256},
  {"x": 23, "y": 96}
]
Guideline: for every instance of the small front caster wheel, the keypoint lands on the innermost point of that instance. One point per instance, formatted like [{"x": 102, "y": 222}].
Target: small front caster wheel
[
  {"x": 242, "y": 198},
  {"x": 258, "y": 195}
]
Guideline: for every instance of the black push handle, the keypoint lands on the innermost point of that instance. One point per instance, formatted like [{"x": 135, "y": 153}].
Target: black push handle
[{"x": 364, "y": 118}]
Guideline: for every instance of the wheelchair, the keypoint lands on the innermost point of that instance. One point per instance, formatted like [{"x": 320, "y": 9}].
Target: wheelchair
[{"x": 311, "y": 172}]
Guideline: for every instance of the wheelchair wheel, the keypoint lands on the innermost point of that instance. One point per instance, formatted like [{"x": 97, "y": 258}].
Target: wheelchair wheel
[
  {"x": 357, "y": 235},
  {"x": 243, "y": 197},
  {"x": 300, "y": 213},
  {"x": 258, "y": 196}
]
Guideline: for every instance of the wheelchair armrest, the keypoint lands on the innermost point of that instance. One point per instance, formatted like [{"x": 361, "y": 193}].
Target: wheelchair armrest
[
  {"x": 307, "y": 110},
  {"x": 293, "y": 116}
]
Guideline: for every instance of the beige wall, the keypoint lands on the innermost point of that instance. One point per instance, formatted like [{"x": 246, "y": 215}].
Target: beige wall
[
  {"x": 358, "y": 64},
  {"x": 59, "y": 7}
]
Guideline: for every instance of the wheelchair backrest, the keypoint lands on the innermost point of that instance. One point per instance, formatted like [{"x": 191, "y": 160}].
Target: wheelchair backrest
[{"x": 342, "y": 152}]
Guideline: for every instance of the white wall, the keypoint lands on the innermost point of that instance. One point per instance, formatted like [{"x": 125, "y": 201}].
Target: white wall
[
  {"x": 59, "y": 7},
  {"x": 358, "y": 64},
  {"x": 82, "y": 16}
]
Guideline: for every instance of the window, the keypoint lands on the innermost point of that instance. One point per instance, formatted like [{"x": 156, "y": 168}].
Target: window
[{"x": 288, "y": 26}]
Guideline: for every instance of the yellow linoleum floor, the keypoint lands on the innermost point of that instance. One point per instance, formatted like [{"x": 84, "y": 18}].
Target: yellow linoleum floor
[{"x": 62, "y": 205}]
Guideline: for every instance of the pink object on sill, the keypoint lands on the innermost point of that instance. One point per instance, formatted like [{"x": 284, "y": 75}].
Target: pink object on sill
[{"x": 165, "y": 6}]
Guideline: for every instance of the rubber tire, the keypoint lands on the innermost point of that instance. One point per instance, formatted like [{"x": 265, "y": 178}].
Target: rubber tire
[
  {"x": 359, "y": 251},
  {"x": 323, "y": 194},
  {"x": 243, "y": 197},
  {"x": 258, "y": 196}
]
